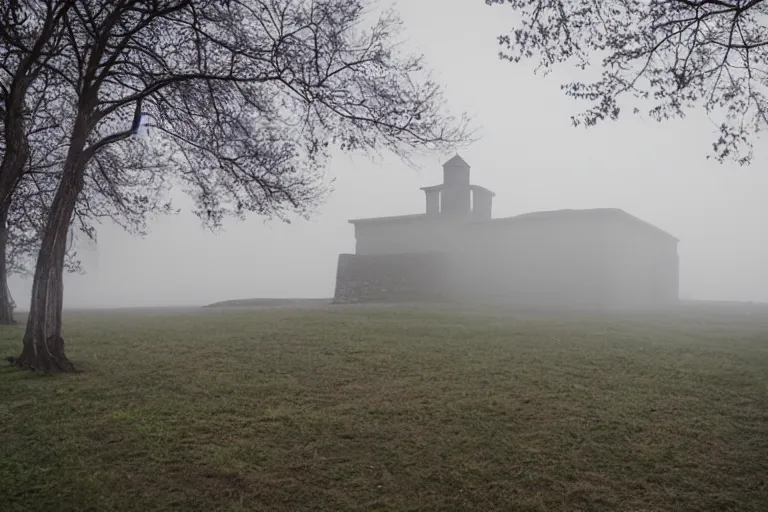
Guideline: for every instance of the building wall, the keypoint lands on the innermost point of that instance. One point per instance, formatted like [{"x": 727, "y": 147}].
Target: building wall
[
  {"x": 411, "y": 236},
  {"x": 580, "y": 262},
  {"x": 646, "y": 268},
  {"x": 392, "y": 278},
  {"x": 543, "y": 262},
  {"x": 585, "y": 262}
]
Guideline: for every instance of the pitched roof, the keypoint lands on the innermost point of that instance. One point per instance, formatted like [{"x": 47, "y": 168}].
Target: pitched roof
[
  {"x": 586, "y": 213},
  {"x": 483, "y": 189},
  {"x": 443, "y": 186},
  {"x": 391, "y": 219},
  {"x": 525, "y": 217},
  {"x": 456, "y": 161}
]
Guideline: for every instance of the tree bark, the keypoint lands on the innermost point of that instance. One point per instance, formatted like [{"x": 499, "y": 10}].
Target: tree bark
[
  {"x": 33, "y": 60},
  {"x": 11, "y": 171},
  {"x": 43, "y": 348},
  {"x": 6, "y": 303},
  {"x": 43, "y": 342}
]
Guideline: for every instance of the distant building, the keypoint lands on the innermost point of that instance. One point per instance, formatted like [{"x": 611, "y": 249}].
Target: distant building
[{"x": 457, "y": 251}]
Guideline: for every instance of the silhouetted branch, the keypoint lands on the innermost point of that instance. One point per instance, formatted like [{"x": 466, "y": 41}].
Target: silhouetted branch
[{"x": 668, "y": 55}]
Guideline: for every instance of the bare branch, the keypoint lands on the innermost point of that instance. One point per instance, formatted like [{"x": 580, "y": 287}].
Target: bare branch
[{"x": 665, "y": 56}]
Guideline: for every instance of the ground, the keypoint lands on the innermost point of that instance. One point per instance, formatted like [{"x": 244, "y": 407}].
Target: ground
[{"x": 344, "y": 408}]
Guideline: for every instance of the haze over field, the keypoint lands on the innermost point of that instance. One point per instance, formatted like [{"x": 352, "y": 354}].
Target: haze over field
[{"x": 529, "y": 154}]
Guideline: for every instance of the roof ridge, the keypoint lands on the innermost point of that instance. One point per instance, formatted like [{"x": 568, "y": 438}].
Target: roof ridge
[{"x": 456, "y": 161}]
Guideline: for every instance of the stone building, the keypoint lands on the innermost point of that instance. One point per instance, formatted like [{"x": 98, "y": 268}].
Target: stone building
[{"x": 456, "y": 250}]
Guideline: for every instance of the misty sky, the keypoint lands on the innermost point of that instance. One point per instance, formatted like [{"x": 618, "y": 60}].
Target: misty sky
[{"x": 529, "y": 154}]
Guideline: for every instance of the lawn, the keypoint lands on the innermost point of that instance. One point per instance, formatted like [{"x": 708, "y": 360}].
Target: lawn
[{"x": 391, "y": 409}]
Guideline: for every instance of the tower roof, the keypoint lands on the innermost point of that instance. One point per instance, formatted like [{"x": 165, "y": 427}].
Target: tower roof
[
  {"x": 443, "y": 186},
  {"x": 456, "y": 161}
]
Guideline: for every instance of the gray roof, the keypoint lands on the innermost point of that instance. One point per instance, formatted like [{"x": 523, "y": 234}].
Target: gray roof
[
  {"x": 443, "y": 186},
  {"x": 483, "y": 189},
  {"x": 584, "y": 214},
  {"x": 594, "y": 213},
  {"x": 384, "y": 220},
  {"x": 404, "y": 219},
  {"x": 456, "y": 161}
]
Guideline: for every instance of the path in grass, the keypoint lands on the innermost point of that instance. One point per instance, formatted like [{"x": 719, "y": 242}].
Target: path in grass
[{"x": 386, "y": 409}]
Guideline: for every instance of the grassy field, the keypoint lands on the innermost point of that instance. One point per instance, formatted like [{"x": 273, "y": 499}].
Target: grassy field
[{"x": 391, "y": 409}]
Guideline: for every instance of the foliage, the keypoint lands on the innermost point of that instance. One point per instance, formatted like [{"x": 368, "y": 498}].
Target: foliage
[
  {"x": 246, "y": 97},
  {"x": 242, "y": 114},
  {"x": 668, "y": 56},
  {"x": 29, "y": 41},
  {"x": 122, "y": 187}
]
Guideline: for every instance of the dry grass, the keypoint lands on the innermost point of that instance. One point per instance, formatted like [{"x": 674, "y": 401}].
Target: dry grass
[{"x": 391, "y": 409}]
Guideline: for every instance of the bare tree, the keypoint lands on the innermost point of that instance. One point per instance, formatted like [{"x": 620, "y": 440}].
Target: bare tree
[
  {"x": 30, "y": 34},
  {"x": 29, "y": 208},
  {"x": 128, "y": 195},
  {"x": 120, "y": 190},
  {"x": 246, "y": 98},
  {"x": 665, "y": 56},
  {"x": 36, "y": 106}
]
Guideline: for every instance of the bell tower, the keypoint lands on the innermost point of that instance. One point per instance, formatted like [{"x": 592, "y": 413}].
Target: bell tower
[{"x": 456, "y": 195}]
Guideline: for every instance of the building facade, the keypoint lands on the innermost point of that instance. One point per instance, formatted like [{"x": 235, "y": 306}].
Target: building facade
[{"x": 456, "y": 251}]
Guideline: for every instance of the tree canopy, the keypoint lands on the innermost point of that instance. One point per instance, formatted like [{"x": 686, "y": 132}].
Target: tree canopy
[
  {"x": 245, "y": 99},
  {"x": 664, "y": 57}
]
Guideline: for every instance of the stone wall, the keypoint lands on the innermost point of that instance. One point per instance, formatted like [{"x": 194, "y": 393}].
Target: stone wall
[
  {"x": 362, "y": 278},
  {"x": 567, "y": 260}
]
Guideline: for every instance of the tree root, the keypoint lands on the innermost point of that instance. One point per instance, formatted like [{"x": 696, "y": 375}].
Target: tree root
[{"x": 49, "y": 359}]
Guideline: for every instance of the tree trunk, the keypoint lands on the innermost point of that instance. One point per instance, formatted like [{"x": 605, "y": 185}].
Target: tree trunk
[
  {"x": 30, "y": 65},
  {"x": 6, "y": 303},
  {"x": 11, "y": 171},
  {"x": 43, "y": 343}
]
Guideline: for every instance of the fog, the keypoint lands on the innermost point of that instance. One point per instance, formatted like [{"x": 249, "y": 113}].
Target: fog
[{"x": 529, "y": 155}]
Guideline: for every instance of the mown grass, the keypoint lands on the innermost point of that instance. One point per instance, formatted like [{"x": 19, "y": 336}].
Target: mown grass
[{"x": 391, "y": 409}]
